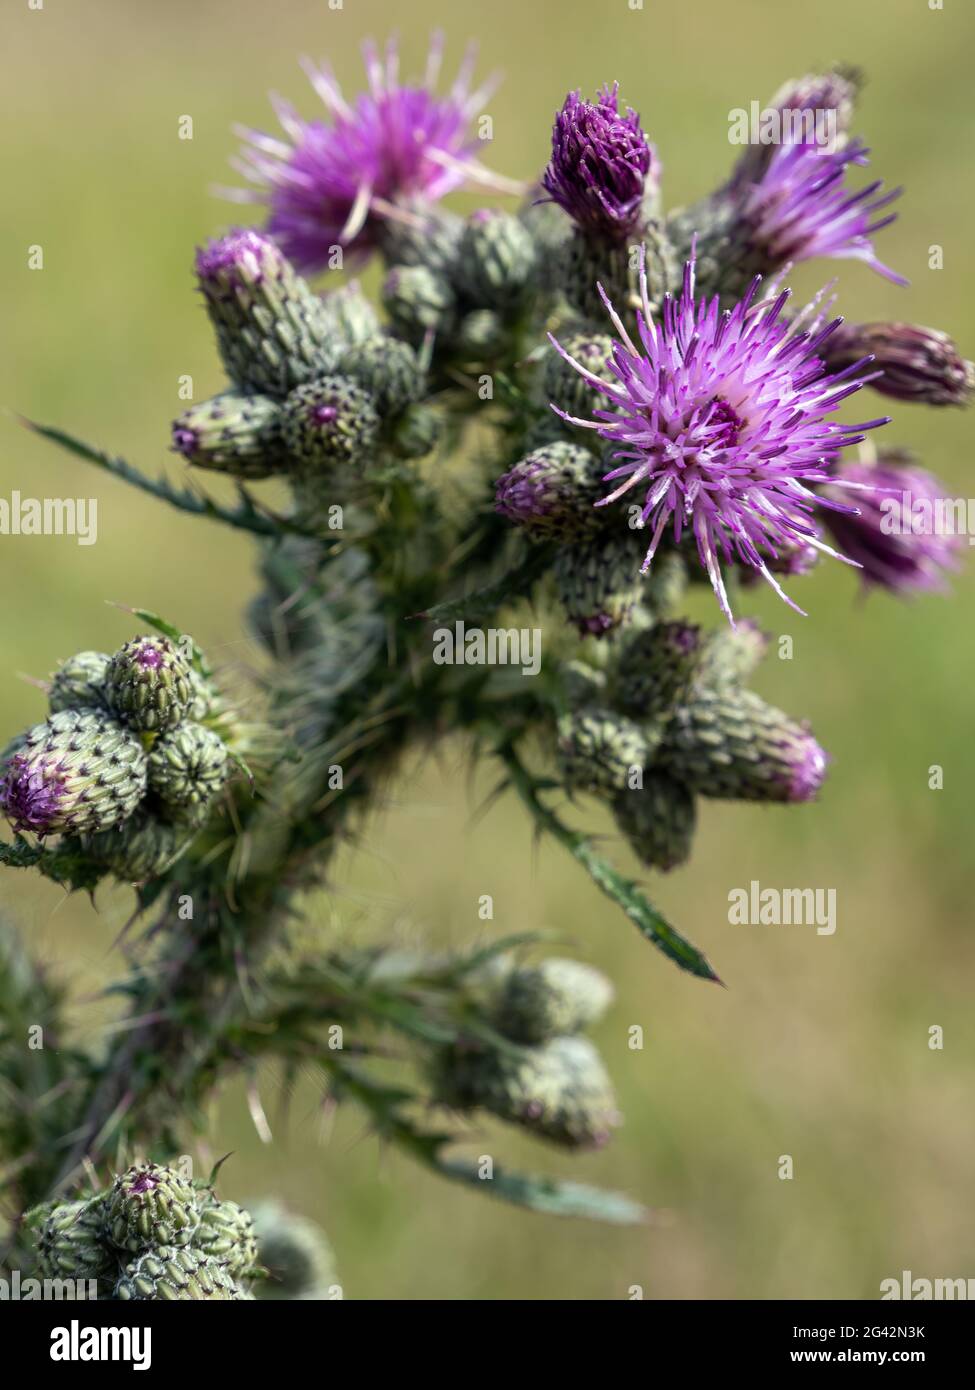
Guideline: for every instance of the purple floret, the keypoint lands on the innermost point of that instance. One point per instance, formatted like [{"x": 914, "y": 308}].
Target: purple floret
[
  {"x": 808, "y": 770},
  {"x": 240, "y": 254},
  {"x": 32, "y": 793}
]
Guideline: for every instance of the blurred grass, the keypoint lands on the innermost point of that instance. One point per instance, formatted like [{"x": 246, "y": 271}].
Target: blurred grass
[{"x": 818, "y": 1047}]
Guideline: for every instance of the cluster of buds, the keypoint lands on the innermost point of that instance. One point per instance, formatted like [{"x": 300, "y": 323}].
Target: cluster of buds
[
  {"x": 463, "y": 283},
  {"x": 318, "y": 388},
  {"x": 706, "y": 424},
  {"x": 128, "y": 762},
  {"x": 152, "y": 1235},
  {"x": 546, "y": 1077},
  {"x": 672, "y": 720}
]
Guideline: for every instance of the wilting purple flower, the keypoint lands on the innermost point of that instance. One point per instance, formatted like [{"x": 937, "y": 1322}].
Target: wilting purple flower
[
  {"x": 816, "y": 109},
  {"x": 917, "y": 364},
  {"x": 333, "y": 183},
  {"x": 33, "y": 792},
  {"x": 906, "y": 534},
  {"x": 600, "y": 164},
  {"x": 721, "y": 422},
  {"x": 801, "y": 207}
]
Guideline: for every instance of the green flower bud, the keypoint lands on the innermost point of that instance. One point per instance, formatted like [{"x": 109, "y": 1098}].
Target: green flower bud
[
  {"x": 598, "y": 582},
  {"x": 416, "y": 432},
  {"x": 431, "y": 238},
  {"x": 481, "y": 334},
  {"x": 658, "y": 819},
  {"x": 729, "y": 743},
  {"x": 563, "y": 386},
  {"x": 495, "y": 261},
  {"x": 226, "y": 1232},
  {"x": 332, "y": 420},
  {"x": 552, "y": 493},
  {"x": 149, "y": 684},
  {"x": 149, "y": 1205},
  {"x": 559, "y": 1091},
  {"x": 188, "y": 767},
  {"x": 550, "y": 230},
  {"x": 417, "y": 300},
  {"x": 206, "y": 699},
  {"x": 296, "y": 1254},
  {"x": 656, "y": 668},
  {"x": 79, "y": 683},
  {"x": 272, "y": 331},
  {"x": 168, "y": 1274},
  {"x": 387, "y": 368},
  {"x": 600, "y": 749},
  {"x": 731, "y": 654},
  {"x": 553, "y": 999},
  {"x": 70, "y": 1243},
  {"x": 79, "y": 771},
  {"x": 143, "y": 847},
  {"x": 232, "y": 433},
  {"x": 583, "y": 684},
  {"x": 350, "y": 316}
]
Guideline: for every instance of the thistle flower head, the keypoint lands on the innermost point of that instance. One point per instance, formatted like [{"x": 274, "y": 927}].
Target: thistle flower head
[
  {"x": 35, "y": 792},
  {"x": 815, "y": 109},
  {"x": 721, "y": 425},
  {"x": 903, "y": 535},
  {"x": 728, "y": 743},
  {"x": 550, "y": 492},
  {"x": 601, "y": 161},
  {"x": 802, "y": 207},
  {"x": 80, "y": 770},
  {"x": 333, "y": 183},
  {"x": 917, "y": 364},
  {"x": 148, "y": 684}
]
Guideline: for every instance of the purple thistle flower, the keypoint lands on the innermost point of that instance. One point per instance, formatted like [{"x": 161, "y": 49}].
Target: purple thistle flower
[
  {"x": 721, "y": 422},
  {"x": 32, "y": 793},
  {"x": 904, "y": 536},
  {"x": 801, "y": 207},
  {"x": 333, "y": 183},
  {"x": 601, "y": 161}
]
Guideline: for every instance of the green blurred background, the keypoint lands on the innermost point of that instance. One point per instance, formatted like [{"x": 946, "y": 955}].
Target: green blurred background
[{"x": 818, "y": 1046}]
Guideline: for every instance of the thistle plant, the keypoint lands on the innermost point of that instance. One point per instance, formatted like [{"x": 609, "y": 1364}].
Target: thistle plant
[{"x": 575, "y": 401}]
